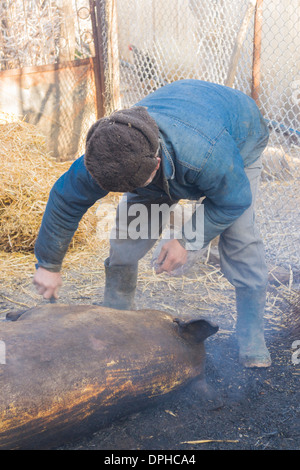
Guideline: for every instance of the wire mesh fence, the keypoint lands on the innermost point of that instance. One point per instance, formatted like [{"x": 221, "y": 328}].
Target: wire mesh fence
[
  {"x": 47, "y": 70},
  {"x": 252, "y": 46},
  {"x": 42, "y": 32},
  {"x": 144, "y": 44}
]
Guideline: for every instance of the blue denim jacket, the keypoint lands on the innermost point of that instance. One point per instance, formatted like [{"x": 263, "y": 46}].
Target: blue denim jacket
[{"x": 208, "y": 134}]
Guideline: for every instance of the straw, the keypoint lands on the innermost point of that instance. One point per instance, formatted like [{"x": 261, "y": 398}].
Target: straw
[{"x": 27, "y": 173}]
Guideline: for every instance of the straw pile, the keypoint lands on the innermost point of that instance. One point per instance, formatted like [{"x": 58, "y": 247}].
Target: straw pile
[{"x": 27, "y": 173}]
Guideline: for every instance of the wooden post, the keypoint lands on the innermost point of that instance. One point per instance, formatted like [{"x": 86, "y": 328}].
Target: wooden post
[
  {"x": 67, "y": 48},
  {"x": 106, "y": 61},
  {"x": 257, "y": 51},
  {"x": 97, "y": 9},
  {"x": 239, "y": 44},
  {"x": 113, "y": 100}
]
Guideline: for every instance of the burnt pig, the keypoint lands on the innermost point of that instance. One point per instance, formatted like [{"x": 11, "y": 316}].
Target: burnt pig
[{"x": 72, "y": 369}]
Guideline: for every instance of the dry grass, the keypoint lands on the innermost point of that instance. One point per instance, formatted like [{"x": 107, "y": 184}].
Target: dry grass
[{"x": 27, "y": 173}]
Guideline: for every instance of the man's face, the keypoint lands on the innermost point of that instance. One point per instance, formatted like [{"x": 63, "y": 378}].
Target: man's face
[{"x": 153, "y": 173}]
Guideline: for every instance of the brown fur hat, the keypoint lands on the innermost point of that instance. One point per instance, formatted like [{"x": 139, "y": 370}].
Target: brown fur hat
[{"x": 120, "y": 149}]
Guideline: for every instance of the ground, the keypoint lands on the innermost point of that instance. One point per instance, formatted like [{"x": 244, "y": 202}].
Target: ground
[
  {"x": 250, "y": 408},
  {"x": 256, "y": 410}
]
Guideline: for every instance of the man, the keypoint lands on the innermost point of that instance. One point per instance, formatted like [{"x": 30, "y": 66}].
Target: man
[{"x": 188, "y": 140}]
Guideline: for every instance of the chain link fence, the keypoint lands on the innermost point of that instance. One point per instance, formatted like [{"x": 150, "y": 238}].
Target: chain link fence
[
  {"x": 43, "y": 32},
  {"x": 47, "y": 69},
  {"x": 255, "y": 50},
  {"x": 144, "y": 44}
]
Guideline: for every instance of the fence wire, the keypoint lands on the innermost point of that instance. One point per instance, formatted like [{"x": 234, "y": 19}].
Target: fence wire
[
  {"x": 42, "y": 32},
  {"x": 149, "y": 43},
  {"x": 60, "y": 100},
  {"x": 160, "y": 42}
]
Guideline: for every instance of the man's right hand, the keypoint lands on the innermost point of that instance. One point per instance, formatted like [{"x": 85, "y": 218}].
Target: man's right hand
[{"x": 47, "y": 283}]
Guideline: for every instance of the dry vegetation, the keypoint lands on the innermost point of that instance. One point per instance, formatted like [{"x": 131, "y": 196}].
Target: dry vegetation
[
  {"x": 27, "y": 173},
  {"x": 254, "y": 403}
]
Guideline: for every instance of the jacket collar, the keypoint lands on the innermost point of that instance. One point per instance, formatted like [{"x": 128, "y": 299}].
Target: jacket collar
[{"x": 168, "y": 168}]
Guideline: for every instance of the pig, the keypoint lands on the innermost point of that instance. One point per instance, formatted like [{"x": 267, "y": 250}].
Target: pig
[{"x": 70, "y": 370}]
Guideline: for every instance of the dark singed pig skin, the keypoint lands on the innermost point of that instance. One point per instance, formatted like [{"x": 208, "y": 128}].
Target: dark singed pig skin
[{"x": 72, "y": 369}]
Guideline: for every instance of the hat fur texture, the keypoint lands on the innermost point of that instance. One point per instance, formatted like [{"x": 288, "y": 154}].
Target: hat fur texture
[{"x": 120, "y": 149}]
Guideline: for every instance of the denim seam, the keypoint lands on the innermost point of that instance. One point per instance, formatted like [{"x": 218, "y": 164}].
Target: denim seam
[
  {"x": 211, "y": 141},
  {"x": 168, "y": 156},
  {"x": 208, "y": 154}
]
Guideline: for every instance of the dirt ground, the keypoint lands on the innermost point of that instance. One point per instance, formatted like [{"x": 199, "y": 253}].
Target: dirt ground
[{"x": 248, "y": 409}]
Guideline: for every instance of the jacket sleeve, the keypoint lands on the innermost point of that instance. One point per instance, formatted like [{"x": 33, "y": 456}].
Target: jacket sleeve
[
  {"x": 71, "y": 196},
  {"x": 227, "y": 192}
]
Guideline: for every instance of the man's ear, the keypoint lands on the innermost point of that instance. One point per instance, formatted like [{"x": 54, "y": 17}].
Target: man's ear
[{"x": 158, "y": 163}]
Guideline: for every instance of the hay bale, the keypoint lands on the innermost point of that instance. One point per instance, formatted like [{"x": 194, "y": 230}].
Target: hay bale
[{"x": 27, "y": 173}]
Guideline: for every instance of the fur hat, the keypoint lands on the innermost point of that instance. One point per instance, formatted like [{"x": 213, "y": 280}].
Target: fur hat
[{"x": 121, "y": 148}]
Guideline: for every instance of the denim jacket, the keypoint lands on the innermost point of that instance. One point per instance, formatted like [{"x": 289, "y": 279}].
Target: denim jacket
[{"x": 208, "y": 134}]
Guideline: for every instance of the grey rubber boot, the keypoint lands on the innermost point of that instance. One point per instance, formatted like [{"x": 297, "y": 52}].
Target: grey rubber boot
[
  {"x": 250, "y": 305},
  {"x": 120, "y": 286}
]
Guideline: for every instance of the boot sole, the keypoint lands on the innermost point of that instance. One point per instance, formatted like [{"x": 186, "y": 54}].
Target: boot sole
[{"x": 255, "y": 362}]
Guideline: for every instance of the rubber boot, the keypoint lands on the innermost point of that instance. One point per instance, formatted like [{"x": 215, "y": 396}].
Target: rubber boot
[
  {"x": 120, "y": 286},
  {"x": 250, "y": 327}
]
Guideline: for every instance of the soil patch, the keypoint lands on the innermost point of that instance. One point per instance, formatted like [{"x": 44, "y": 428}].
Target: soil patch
[{"x": 250, "y": 409}]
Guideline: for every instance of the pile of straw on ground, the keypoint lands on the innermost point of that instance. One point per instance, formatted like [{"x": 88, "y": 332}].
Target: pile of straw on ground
[{"x": 27, "y": 173}]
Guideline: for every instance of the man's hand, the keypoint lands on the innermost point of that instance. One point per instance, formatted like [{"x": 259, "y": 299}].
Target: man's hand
[
  {"x": 171, "y": 257},
  {"x": 47, "y": 283}
]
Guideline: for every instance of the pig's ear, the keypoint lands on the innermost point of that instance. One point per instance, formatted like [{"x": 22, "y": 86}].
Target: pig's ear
[
  {"x": 196, "y": 330},
  {"x": 14, "y": 316}
]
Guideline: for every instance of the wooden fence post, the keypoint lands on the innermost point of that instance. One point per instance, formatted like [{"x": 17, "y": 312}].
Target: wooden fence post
[
  {"x": 106, "y": 69},
  {"x": 256, "y": 51},
  {"x": 233, "y": 65},
  {"x": 97, "y": 8}
]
